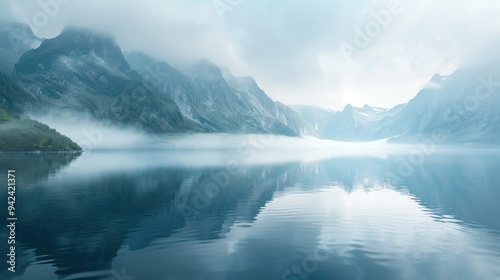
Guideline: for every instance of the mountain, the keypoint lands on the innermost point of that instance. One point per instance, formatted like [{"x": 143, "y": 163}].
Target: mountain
[
  {"x": 87, "y": 73},
  {"x": 212, "y": 96},
  {"x": 351, "y": 124},
  {"x": 24, "y": 134},
  {"x": 138, "y": 60},
  {"x": 461, "y": 108},
  {"x": 315, "y": 119},
  {"x": 277, "y": 115},
  {"x": 455, "y": 109},
  {"x": 21, "y": 133},
  {"x": 14, "y": 97},
  {"x": 15, "y": 39},
  {"x": 360, "y": 124}
]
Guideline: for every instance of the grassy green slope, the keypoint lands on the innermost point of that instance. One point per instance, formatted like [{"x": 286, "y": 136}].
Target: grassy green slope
[{"x": 18, "y": 134}]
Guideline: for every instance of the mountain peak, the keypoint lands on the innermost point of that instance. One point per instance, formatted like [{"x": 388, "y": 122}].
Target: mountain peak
[
  {"x": 348, "y": 108},
  {"x": 205, "y": 63},
  {"x": 85, "y": 40},
  {"x": 207, "y": 70},
  {"x": 138, "y": 60},
  {"x": 227, "y": 74},
  {"x": 75, "y": 29},
  {"x": 74, "y": 42},
  {"x": 249, "y": 82},
  {"x": 437, "y": 78}
]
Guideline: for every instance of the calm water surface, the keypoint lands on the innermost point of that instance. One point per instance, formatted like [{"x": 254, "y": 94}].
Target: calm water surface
[{"x": 169, "y": 216}]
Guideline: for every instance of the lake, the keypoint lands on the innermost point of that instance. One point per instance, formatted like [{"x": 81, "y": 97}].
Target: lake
[{"x": 167, "y": 215}]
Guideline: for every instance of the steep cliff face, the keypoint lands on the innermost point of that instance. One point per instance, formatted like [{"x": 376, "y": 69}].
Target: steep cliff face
[
  {"x": 86, "y": 72},
  {"x": 212, "y": 96}
]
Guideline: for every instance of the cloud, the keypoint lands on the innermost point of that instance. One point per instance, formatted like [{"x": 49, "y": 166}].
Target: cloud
[{"x": 293, "y": 48}]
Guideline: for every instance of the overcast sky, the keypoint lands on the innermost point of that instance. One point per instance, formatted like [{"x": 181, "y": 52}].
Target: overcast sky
[{"x": 323, "y": 52}]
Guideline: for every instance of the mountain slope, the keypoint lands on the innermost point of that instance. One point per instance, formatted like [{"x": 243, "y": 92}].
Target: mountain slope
[
  {"x": 315, "y": 119},
  {"x": 213, "y": 97},
  {"x": 17, "y": 134},
  {"x": 15, "y": 39},
  {"x": 359, "y": 124},
  {"x": 14, "y": 97},
  {"x": 462, "y": 108},
  {"x": 21, "y": 133},
  {"x": 276, "y": 115},
  {"x": 84, "y": 72},
  {"x": 87, "y": 73}
]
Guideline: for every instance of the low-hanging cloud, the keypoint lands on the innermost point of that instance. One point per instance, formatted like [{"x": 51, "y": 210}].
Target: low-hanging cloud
[{"x": 293, "y": 48}]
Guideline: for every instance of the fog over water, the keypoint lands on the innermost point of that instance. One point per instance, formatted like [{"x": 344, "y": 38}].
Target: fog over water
[{"x": 92, "y": 135}]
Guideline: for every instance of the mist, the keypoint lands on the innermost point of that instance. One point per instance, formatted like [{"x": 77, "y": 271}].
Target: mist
[
  {"x": 110, "y": 148},
  {"x": 294, "y": 46},
  {"x": 96, "y": 135}
]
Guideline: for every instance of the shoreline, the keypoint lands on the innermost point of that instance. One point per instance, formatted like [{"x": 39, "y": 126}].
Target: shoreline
[{"x": 41, "y": 152}]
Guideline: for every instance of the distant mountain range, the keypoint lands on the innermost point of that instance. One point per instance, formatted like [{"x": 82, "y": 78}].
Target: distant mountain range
[
  {"x": 463, "y": 107},
  {"x": 351, "y": 124},
  {"x": 85, "y": 72}
]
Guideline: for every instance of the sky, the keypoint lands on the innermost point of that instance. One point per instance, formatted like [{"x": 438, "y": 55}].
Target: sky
[{"x": 324, "y": 52}]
